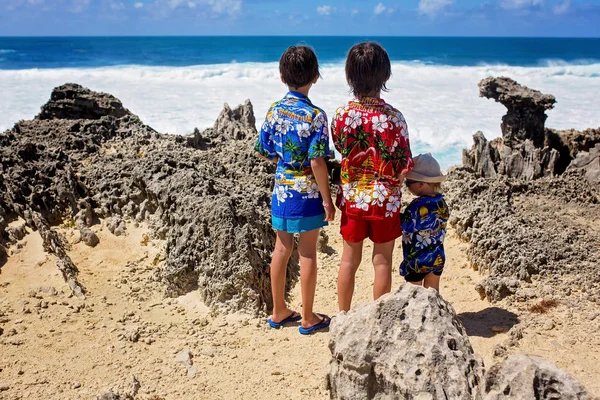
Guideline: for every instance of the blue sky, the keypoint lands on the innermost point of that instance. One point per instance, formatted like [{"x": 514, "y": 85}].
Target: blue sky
[{"x": 556, "y": 18}]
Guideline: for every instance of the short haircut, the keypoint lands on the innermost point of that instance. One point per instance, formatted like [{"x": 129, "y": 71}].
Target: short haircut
[
  {"x": 298, "y": 66},
  {"x": 368, "y": 68},
  {"x": 436, "y": 187}
]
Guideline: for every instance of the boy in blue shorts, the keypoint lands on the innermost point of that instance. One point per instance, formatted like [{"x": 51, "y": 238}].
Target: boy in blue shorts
[
  {"x": 424, "y": 225},
  {"x": 295, "y": 136}
]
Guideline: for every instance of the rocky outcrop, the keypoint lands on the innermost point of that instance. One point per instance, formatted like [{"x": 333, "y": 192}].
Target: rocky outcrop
[
  {"x": 516, "y": 230},
  {"x": 526, "y": 110},
  {"x": 409, "y": 344},
  {"x": 523, "y": 377},
  {"x": 526, "y": 149},
  {"x": 86, "y": 157}
]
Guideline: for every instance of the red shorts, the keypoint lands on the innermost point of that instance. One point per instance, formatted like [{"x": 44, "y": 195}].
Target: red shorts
[{"x": 379, "y": 231}]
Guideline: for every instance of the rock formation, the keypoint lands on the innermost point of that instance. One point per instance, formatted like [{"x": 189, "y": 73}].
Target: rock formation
[
  {"x": 514, "y": 198},
  {"x": 86, "y": 157},
  {"x": 411, "y": 345}
]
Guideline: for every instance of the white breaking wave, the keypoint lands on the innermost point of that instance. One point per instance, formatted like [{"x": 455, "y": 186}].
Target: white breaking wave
[{"x": 441, "y": 103}]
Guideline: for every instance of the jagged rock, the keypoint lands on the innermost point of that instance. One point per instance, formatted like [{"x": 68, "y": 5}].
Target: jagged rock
[
  {"x": 588, "y": 161},
  {"x": 523, "y": 377},
  {"x": 526, "y": 110},
  {"x": 116, "y": 225},
  {"x": 408, "y": 344},
  {"x": 88, "y": 236},
  {"x": 509, "y": 228},
  {"x": 207, "y": 195},
  {"x": 483, "y": 156}
]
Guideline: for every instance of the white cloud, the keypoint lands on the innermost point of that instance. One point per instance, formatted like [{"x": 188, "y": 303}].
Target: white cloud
[
  {"x": 354, "y": 12},
  {"x": 138, "y": 5},
  {"x": 35, "y": 2},
  {"x": 117, "y": 6},
  {"x": 191, "y": 4},
  {"x": 379, "y": 8},
  {"x": 562, "y": 8},
  {"x": 432, "y": 7},
  {"x": 79, "y": 6},
  {"x": 516, "y": 4},
  {"x": 324, "y": 10},
  {"x": 231, "y": 7}
]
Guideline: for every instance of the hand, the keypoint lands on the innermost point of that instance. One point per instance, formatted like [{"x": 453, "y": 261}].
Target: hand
[
  {"x": 329, "y": 211},
  {"x": 401, "y": 178}
]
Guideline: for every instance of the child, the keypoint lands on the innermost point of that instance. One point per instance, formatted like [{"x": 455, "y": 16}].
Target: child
[
  {"x": 295, "y": 136},
  {"x": 372, "y": 138},
  {"x": 424, "y": 225}
]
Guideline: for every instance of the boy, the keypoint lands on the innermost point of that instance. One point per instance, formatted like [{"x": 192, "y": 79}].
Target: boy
[
  {"x": 295, "y": 136},
  {"x": 424, "y": 225},
  {"x": 372, "y": 138}
]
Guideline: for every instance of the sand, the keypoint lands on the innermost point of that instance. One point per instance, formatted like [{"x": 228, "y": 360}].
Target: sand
[{"x": 55, "y": 346}]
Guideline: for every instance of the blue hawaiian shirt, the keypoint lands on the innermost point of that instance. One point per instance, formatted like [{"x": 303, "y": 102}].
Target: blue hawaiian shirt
[
  {"x": 295, "y": 131},
  {"x": 423, "y": 231}
]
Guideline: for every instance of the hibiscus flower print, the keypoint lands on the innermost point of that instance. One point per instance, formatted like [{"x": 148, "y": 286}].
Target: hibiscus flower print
[
  {"x": 281, "y": 191},
  {"x": 348, "y": 191},
  {"x": 392, "y": 206},
  {"x": 318, "y": 122},
  {"x": 353, "y": 120},
  {"x": 423, "y": 239},
  {"x": 283, "y": 127},
  {"x": 362, "y": 201},
  {"x": 380, "y": 122},
  {"x": 379, "y": 193},
  {"x": 303, "y": 130},
  {"x": 313, "y": 191},
  {"x": 300, "y": 185}
]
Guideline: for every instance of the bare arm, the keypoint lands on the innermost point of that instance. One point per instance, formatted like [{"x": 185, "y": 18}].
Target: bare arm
[{"x": 319, "y": 168}]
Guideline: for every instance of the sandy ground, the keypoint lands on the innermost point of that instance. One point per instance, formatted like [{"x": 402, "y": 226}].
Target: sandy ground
[{"x": 54, "y": 346}]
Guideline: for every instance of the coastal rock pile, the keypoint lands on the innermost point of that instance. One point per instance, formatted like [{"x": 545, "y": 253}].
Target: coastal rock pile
[
  {"x": 405, "y": 345},
  {"x": 525, "y": 202},
  {"x": 411, "y": 345},
  {"x": 86, "y": 157}
]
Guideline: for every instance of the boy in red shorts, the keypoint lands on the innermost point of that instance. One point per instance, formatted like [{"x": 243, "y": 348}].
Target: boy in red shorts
[{"x": 372, "y": 138}]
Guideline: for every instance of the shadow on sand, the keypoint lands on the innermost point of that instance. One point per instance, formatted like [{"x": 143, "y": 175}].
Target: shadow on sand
[{"x": 480, "y": 323}]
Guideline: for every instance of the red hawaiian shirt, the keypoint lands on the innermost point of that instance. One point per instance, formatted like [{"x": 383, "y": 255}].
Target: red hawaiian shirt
[{"x": 372, "y": 138}]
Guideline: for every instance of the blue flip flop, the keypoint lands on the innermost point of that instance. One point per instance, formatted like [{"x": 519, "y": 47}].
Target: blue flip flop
[
  {"x": 291, "y": 318},
  {"x": 325, "y": 321}
]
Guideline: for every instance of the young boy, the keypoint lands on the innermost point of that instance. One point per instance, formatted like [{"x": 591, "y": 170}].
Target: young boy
[
  {"x": 372, "y": 138},
  {"x": 424, "y": 225},
  {"x": 295, "y": 136}
]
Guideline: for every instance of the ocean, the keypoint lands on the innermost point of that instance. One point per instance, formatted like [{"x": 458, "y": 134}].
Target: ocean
[{"x": 178, "y": 83}]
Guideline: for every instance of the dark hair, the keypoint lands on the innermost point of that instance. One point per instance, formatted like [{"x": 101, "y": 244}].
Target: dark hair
[
  {"x": 298, "y": 66},
  {"x": 368, "y": 68}
]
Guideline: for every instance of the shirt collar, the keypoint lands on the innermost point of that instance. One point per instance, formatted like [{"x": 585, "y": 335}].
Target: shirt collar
[
  {"x": 293, "y": 94},
  {"x": 371, "y": 101}
]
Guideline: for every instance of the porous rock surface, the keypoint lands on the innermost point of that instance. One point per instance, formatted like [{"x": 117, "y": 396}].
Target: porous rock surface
[
  {"x": 86, "y": 157},
  {"x": 525, "y": 377},
  {"x": 411, "y": 345},
  {"x": 408, "y": 344},
  {"x": 527, "y": 202}
]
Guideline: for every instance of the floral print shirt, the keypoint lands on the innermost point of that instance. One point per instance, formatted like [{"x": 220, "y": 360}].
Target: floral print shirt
[
  {"x": 423, "y": 231},
  {"x": 294, "y": 132},
  {"x": 372, "y": 138}
]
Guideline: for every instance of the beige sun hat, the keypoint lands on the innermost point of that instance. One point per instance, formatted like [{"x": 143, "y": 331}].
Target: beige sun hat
[{"x": 426, "y": 169}]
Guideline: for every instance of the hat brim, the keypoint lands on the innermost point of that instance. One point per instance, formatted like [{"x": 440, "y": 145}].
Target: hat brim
[{"x": 414, "y": 176}]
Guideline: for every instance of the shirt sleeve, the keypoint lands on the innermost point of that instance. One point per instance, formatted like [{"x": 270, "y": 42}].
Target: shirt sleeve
[
  {"x": 264, "y": 144},
  {"x": 319, "y": 137},
  {"x": 410, "y": 219},
  {"x": 402, "y": 156}
]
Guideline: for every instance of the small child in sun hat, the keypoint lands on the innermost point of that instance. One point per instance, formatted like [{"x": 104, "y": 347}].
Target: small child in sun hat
[{"x": 424, "y": 224}]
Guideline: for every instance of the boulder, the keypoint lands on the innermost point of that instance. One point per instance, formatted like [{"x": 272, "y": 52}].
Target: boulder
[
  {"x": 408, "y": 344},
  {"x": 524, "y": 377}
]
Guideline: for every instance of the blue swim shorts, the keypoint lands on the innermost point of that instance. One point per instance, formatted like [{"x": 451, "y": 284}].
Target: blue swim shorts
[{"x": 297, "y": 225}]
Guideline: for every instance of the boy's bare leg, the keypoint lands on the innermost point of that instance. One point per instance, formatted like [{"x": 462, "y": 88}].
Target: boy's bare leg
[
  {"x": 382, "y": 263},
  {"x": 351, "y": 258},
  {"x": 432, "y": 281},
  {"x": 307, "y": 249},
  {"x": 284, "y": 245}
]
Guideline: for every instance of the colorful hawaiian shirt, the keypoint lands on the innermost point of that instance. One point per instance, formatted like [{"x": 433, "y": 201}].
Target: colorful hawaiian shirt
[
  {"x": 423, "y": 231},
  {"x": 295, "y": 131},
  {"x": 372, "y": 138}
]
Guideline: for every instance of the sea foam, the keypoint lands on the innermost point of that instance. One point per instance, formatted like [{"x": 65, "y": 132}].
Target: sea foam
[{"x": 440, "y": 103}]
